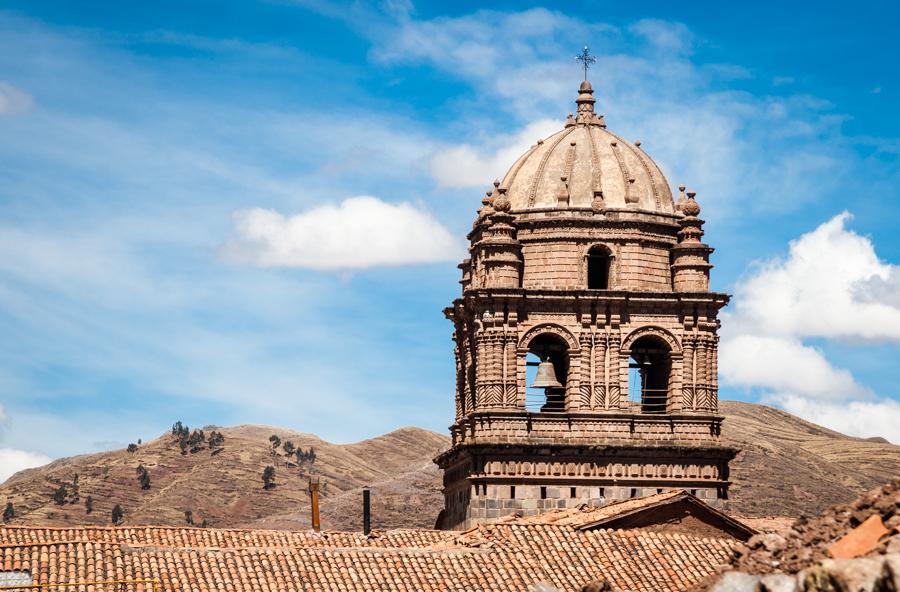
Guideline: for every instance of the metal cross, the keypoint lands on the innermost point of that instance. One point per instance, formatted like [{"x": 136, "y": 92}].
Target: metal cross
[{"x": 586, "y": 59}]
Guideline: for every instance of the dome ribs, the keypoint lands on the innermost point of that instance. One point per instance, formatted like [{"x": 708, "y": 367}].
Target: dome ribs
[
  {"x": 532, "y": 195},
  {"x": 597, "y": 173},
  {"x": 553, "y": 175},
  {"x": 642, "y": 158},
  {"x": 511, "y": 174},
  {"x": 626, "y": 176}
]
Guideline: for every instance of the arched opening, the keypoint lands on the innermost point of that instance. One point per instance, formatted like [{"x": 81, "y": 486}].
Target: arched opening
[
  {"x": 553, "y": 349},
  {"x": 649, "y": 371},
  {"x": 598, "y": 261}
]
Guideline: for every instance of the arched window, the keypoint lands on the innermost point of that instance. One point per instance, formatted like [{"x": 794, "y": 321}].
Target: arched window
[
  {"x": 649, "y": 371},
  {"x": 542, "y": 349},
  {"x": 598, "y": 268}
]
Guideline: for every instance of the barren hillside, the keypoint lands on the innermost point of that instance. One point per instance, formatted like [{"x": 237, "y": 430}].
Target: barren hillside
[
  {"x": 787, "y": 466},
  {"x": 225, "y": 488}
]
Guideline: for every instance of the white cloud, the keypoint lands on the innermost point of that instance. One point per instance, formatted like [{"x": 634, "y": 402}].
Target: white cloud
[
  {"x": 831, "y": 284},
  {"x": 14, "y": 101},
  {"x": 784, "y": 365},
  {"x": 360, "y": 232},
  {"x": 865, "y": 419},
  {"x": 13, "y": 461},
  {"x": 466, "y": 165}
]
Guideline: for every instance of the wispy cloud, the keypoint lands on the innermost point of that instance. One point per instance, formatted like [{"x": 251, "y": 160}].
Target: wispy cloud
[
  {"x": 14, "y": 101},
  {"x": 650, "y": 86}
]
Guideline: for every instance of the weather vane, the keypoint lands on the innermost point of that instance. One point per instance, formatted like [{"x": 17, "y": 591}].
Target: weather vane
[{"x": 586, "y": 59}]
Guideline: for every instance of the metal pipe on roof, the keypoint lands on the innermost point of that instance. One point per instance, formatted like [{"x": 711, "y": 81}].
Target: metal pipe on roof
[{"x": 367, "y": 517}]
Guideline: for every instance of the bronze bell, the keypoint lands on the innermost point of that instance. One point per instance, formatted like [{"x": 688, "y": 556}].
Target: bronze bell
[{"x": 546, "y": 376}]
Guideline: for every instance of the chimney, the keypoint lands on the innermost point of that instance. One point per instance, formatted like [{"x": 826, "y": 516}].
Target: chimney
[
  {"x": 314, "y": 497},
  {"x": 367, "y": 512}
]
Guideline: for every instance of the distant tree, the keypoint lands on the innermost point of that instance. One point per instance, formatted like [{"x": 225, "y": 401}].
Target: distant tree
[
  {"x": 9, "y": 513},
  {"x": 288, "y": 448},
  {"x": 180, "y": 430},
  {"x": 204, "y": 523},
  {"x": 268, "y": 477},
  {"x": 139, "y": 442},
  {"x": 143, "y": 476},
  {"x": 311, "y": 455},
  {"x": 276, "y": 442},
  {"x": 89, "y": 505},
  {"x": 74, "y": 488},
  {"x": 132, "y": 448},
  {"x": 215, "y": 440},
  {"x": 195, "y": 440},
  {"x": 118, "y": 514},
  {"x": 183, "y": 444},
  {"x": 59, "y": 496},
  {"x": 189, "y": 517}
]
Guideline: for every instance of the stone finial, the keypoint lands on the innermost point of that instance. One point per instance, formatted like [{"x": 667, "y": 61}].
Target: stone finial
[
  {"x": 488, "y": 198},
  {"x": 562, "y": 199},
  {"x": 691, "y": 207},
  {"x": 585, "y": 102},
  {"x": 501, "y": 202},
  {"x": 597, "y": 204},
  {"x": 570, "y": 121},
  {"x": 679, "y": 203},
  {"x": 637, "y": 143}
]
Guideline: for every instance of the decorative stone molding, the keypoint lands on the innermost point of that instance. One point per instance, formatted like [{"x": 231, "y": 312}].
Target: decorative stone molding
[
  {"x": 549, "y": 328},
  {"x": 665, "y": 335}
]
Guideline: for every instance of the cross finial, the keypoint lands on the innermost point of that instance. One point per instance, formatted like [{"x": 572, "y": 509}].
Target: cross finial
[{"x": 586, "y": 59}]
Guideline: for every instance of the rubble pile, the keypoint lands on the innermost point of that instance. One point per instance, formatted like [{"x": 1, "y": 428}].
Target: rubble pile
[
  {"x": 808, "y": 540},
  {"x": 850, "y": 548}
]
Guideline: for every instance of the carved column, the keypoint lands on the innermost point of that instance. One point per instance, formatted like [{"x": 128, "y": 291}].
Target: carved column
[
  {"x": 460, "y": 388},
  {"x": 613, "y": 365},
  {"x": 600, "y": 399},
  {"x": 586, "y": 384},
  {"x": 510, "y": 370},
  {"x": 687, "y": 386},
  {"x": 714, "y": 374},
  {"x": 469, "y": 350},
  {"x": 701, "y": 375}
]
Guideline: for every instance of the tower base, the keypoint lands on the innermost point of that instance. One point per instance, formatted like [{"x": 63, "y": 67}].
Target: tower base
[{"x": 486, "y": 482}]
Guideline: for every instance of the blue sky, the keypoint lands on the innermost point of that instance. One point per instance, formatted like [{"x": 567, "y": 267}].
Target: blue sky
[{"x": 252, "y": 212}]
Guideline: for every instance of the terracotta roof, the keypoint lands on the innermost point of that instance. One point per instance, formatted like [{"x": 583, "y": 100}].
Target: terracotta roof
[
  {"x": 499, "y": 557},
  {"x": 215, "y": 538},
  {"x": 587, "y": 514},
  {"x": 611, "y": 515}
]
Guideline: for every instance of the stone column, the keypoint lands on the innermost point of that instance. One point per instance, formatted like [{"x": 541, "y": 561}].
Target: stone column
[
  {"x": 469, "y": 357},
  {"x": 587, "y": 378},
  {"x": 599, "y": 399},
  {"x": 460, "y": 381},
  {"x": 613, "y": 367},
  {"x": 714, "y": 374},
  {"x": 701, "y": 376},
  {"x": 687, "y": 385}
]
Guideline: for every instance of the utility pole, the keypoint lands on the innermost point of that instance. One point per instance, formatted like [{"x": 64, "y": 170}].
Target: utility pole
[{"x": 314, "y": 506}]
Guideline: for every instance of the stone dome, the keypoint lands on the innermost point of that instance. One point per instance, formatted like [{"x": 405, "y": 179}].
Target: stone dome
[{"x": 584, "y": 162}]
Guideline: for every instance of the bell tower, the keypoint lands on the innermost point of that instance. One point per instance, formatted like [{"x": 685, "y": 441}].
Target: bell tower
[{"x": 585, "y": 336}]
